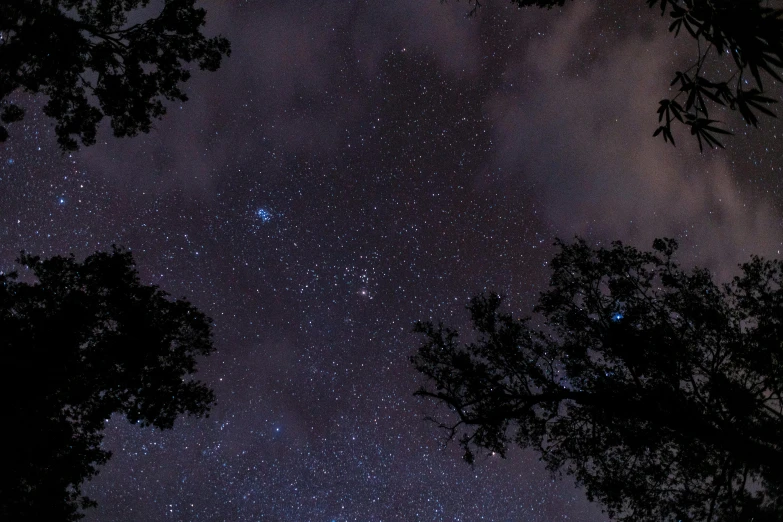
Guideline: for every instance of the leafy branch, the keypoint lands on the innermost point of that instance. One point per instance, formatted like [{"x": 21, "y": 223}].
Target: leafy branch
[
  {"x": 90, "y": 63},
  {"x": 752, "y": 34}
]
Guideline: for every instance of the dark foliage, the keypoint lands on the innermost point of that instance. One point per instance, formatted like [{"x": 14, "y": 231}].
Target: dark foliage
[
  {"x": 741, "y": 39},
  {"x": 83, "y": 342},
  {"x": 92, "y": 58},
  {"x": 657, "y": 389}
]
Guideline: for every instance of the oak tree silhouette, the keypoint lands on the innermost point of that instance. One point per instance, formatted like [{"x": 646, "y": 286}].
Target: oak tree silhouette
[
  {"x": 657, "y": 389},
  {"x": 738, "y": 53},
  {"x": 96, "y": 58},
  {"x": 85, "y": 341}
]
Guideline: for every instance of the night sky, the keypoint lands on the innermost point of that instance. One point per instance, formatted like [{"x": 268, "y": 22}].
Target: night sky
[{"x": 354, "y": 167}]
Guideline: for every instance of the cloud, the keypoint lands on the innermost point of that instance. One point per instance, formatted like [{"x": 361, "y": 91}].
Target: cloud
[
  {"x": 577, "y": 130},
  {"x": 571, "y": 119}
]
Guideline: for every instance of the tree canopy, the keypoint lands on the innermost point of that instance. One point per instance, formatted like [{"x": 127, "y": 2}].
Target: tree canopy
[
  {"x": 100, "y": 58},
  {"x": 657, "y": 389},
  {"x": 738, "y": 53},
  {"x": 85, "y": 341}
]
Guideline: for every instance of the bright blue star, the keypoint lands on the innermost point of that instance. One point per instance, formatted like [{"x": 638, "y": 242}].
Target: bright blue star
[
  {"x": 264, "y": 215},
  {"x": 617, "y": 316},
  {"x": 61, "y": 201}
]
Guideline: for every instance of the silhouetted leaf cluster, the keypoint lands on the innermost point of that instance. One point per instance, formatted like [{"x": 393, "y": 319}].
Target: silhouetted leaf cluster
[
  {"x": 748, "y": 31},
  {"x": 92, "y": 60},
  {"x": 85, "y": 341},
  {"x": 657, "y": 389},
  {"x": 752, "y": 34}
]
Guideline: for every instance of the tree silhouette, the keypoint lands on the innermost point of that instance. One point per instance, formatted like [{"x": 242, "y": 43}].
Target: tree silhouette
[
  {"x": 83, "y": 342},
  {"x": 96, "y": 58},
  {"x": 657, "y": 389},
  {"x": 738, "y": 44}
]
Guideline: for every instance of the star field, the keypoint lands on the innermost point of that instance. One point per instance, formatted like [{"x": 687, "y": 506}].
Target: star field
[{"x": 350, "y": 170}]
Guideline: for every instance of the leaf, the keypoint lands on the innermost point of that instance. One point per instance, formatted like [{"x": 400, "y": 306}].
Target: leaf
[
  {"x": 663, "y": 110},
  {"x": 702, "y": 128},
  {"x": 687, "y": 21},
  {"x": 675, "y": 27},
  {"x": 754, "y": 70},
  {"x": 753, "y": 98},
  {"x": 709, "y": 89},
  {"x": 677, "y": 110},
  {"x": 667, "y": 134},
  {"x": 12, "y": 113}
]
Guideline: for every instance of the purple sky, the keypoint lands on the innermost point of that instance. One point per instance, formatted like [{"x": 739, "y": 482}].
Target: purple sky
[{"x": 355, "y": 167}]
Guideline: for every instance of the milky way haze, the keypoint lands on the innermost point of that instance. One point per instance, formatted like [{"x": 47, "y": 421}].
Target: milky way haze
[{"x": 355, "y": 167}]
